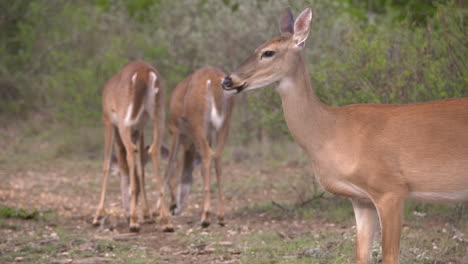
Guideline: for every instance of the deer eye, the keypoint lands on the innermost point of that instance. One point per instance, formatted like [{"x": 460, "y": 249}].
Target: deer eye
[{"x": 268, "y": 54}]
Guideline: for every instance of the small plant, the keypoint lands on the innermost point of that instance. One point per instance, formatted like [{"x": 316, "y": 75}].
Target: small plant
[{"x": 10, "y": 212}]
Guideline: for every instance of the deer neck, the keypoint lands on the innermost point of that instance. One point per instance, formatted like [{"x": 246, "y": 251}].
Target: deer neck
[{"x": 310, "y": 121}]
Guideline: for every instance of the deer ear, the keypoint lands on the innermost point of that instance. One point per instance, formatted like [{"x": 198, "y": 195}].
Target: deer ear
[
  {"x": 302, "y": 27},
  {"x": 287, "y": 21}
]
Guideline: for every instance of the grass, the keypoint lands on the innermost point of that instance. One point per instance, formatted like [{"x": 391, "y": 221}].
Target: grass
[
  {"x": 40, "y": 243},
  {"x": 271, "y": 218},
  {"x": 10, "y": 212},
  {"x": 325, "y": 247}
]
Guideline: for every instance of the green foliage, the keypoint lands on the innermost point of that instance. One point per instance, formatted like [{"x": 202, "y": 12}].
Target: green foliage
[
  {"x": 9, "y": 212},
  {"x": 383, "y": 64},
  {"x": 56, "y": 56}
]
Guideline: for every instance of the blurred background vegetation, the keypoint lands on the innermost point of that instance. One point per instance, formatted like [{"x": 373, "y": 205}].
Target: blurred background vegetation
[{"x": 55, "y": 56}]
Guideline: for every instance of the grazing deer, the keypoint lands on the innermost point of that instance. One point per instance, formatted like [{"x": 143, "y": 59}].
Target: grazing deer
[
  {"x": 130, "y": 99},
  {"x": 377, "y": 155},
  {"x": 199, "y": 110}
]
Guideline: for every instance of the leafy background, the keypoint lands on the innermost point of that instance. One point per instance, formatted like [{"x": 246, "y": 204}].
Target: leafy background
[{"x": 56, "y": 55}]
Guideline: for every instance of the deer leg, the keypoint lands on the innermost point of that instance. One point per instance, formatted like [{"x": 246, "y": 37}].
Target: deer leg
[
  {"x": 220, "y": 141},
  {"x": 206, "y": 153},
  {"x": 186, "y": 178},
  {"x": 168, "y": 174},
  {"x": 155, "y": 155},
  {"x": 174, "y": 182},
  {"x": 124, "y": 175},
  {"x": 366, "y": 223},
  {"x": 218, "y": 169},
  {"x": 141, "y": 174},
  {"x": 390, "y": 207},
  {"x": 130, "y": 148},
  {"x": 108, "y": 139}
]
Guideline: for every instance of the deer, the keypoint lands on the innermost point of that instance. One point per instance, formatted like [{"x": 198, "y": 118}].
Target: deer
[
  {"x": 377, "y": 155},
  {"x": 199, "y": 113},
  {"x": 132, "y": 98}
]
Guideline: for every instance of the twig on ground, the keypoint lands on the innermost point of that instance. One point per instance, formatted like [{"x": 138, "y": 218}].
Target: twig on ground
[
  {"x": 288, "y": 210},
  {"x": 315, "y": 197}
]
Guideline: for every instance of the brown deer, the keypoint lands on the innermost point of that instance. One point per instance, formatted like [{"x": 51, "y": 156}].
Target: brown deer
[
  {"x": 377, "y": 155},
  {"x": 199, "y": 110},
  {"x": 130, "y": 99}
]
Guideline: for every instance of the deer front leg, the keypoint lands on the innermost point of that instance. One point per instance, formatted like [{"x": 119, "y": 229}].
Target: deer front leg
[
  {"x": 205, "y": 152},
  {"x": 220, "y": 141},
  {"x": 131, "y": 149},
  {"x": 185, "y": 178},
  {"x": 124, "y": 175},
  {"x": 218, "y": 169},
  {"x": 141, "y": 177},
  {"x": 108, "y": 141},
  {"x": 390, "y": 207},
  {"x": 366, "y": 223},
  {"x": 174, "y": 183},
  {"x": 168, "y": 174}
]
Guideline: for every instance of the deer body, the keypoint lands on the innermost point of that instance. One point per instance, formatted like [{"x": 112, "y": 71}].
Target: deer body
[
  {"x": 377, "y": 155},
  {"x": 404, "y": 143},
  {"x": 199, "y": 110},
  {"x": 131, "y": 99}
]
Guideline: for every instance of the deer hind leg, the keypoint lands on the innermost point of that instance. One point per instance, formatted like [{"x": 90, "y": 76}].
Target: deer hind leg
[
  {"x": 390, "y": 207},
  {"x": 366, "y": 223},
  {"x": 185, "y": 177},
  {"x": 108, "y": 139}
]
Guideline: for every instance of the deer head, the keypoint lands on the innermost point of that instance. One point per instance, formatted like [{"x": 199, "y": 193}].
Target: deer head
[{"x": 276, "y": 58}]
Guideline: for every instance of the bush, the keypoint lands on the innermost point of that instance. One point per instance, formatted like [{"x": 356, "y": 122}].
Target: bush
[{"x": 55, "y": 57}]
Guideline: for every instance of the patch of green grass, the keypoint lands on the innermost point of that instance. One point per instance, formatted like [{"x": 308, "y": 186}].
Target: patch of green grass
[
  {"x": 10, "y": 212},
  {"x": 432, "y": 245},
  {"x": 47, "y": 216},
  {"x": 447, "y": 212},
  {"x": 269, "y": 247},
  {"x": 332, "y": 209},
  {"x": 47, "y": 246}
]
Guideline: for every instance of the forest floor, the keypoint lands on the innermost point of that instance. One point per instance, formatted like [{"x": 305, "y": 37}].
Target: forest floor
[{"x": 275, "y": 213}]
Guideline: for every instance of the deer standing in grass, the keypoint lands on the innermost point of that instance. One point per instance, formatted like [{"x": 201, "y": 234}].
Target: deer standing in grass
[
  {"x": 131, "y": 99},
  {"x": 199, "y": 110},
  {"x": 377, "y": 155}
]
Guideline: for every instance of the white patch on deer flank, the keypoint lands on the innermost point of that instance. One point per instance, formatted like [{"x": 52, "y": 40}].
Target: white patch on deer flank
[
  {"x": 134, "y": 76},
  {"x": 216, "y": 118},
  {"x": 128, "y": 116},
  {"x": 151, "y": 94}
]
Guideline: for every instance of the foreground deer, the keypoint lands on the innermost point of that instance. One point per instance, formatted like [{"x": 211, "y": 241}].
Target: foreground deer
[
  {"x": 377, "y": 155},
  {"x": 130, "y": 99},
  {"x": 199, "y": 109}
]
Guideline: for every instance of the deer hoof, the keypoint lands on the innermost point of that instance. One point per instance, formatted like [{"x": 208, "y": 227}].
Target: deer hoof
[
  {"x": 173, "y": 209},
  {"x": 97, "y": 221},
  {"x": 134, "y": 228},
  {"x": 168, "y": 229},
  {"x": 205, "y": 224}
]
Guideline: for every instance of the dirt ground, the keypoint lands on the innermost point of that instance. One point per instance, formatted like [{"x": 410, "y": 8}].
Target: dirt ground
[{"x": 262, "y": 223}]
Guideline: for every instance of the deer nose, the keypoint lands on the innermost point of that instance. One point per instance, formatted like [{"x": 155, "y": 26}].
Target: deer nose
[{"x": 227, "y": 82}]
